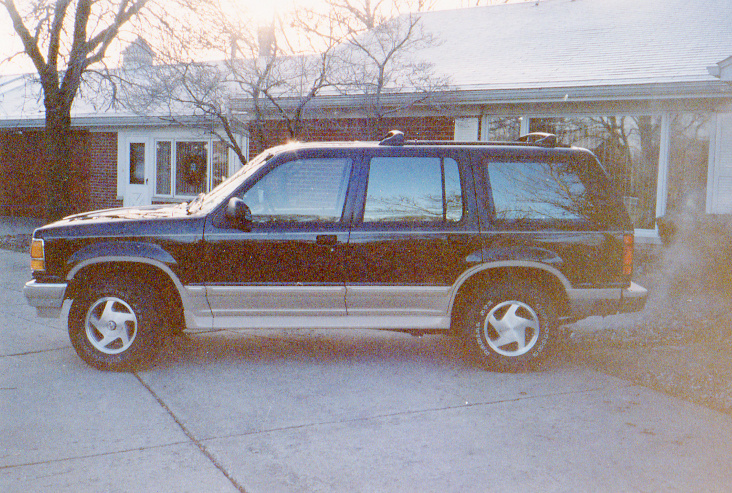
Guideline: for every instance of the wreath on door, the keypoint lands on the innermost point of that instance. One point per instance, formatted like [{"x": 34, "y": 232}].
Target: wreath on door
[{"x": 194, "y": 170}]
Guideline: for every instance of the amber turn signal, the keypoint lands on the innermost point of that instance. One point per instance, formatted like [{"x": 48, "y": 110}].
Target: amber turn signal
[{"x": 38, "y": 256}]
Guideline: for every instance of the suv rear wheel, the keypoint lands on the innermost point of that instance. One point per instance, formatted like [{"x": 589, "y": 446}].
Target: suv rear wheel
[
  {"x": 114, "y": 325},
  {"x": 509, "y": 328}
]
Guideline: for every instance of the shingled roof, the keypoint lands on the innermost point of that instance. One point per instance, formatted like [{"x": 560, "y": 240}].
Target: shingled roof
[
  {"x": 580, "y": 43},
  {"x": 546, "y": 50}
]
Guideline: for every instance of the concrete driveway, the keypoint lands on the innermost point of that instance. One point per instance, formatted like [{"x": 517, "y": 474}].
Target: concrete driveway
[{"x": 331, "y": 411}]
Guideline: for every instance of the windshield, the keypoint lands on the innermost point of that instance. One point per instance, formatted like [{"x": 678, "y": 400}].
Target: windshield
[{"x": 210, "y": 199}]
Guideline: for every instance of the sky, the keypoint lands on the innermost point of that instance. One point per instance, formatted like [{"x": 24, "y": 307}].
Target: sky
[{"x": 261, "y": 10}]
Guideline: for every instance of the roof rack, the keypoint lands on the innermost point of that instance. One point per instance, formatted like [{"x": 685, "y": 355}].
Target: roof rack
[
  {"x": 393, "y": 138},
  {"x": 543, "y": 139}
]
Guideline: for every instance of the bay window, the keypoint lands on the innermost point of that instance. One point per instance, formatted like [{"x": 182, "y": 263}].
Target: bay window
[{"x": 186, "y": 168}]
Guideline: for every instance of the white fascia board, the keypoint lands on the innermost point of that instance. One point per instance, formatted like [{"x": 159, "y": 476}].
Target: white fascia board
[
  {"x": 99, "y": 121},
  {"x": 486, "y": 95}
]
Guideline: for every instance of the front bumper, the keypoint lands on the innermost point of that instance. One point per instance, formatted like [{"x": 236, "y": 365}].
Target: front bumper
[{"x": 47, "y": 299}]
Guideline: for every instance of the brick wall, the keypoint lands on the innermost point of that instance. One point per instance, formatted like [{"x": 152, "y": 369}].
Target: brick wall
[
  {"x": 415, "y": 128},
  {"x": 23, "y": 187},
  {"x": 103, "y": 170}
]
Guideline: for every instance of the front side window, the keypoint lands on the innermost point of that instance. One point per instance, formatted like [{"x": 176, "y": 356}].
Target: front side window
[
  {"x": 304, "y": 190},
  {"x": 413, "y": 190}
]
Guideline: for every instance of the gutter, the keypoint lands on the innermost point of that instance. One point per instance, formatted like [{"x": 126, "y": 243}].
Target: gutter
[
  {"x": 100, "y": 121},
  {"x": 483, "y": 95}
]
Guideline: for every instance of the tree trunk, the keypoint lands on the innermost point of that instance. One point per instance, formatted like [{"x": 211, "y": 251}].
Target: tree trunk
[{"x": 59, "y": 159}]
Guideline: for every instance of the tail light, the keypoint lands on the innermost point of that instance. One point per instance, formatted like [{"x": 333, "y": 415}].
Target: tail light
[{"x": 628, "y": 256}]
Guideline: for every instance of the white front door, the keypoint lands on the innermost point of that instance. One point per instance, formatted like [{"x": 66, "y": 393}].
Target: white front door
[{"x": 137, "y": 189}]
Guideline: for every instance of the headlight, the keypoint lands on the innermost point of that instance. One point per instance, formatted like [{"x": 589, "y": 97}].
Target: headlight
[{"x": 38, "y": 256}]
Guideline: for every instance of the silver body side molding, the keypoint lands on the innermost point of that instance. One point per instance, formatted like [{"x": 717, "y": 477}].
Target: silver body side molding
[{"x": 344, "y": 307}]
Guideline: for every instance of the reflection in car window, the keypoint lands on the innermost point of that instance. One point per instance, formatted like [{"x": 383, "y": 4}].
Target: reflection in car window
[
  {"x": 413, "y": 190},
  {"x": 301, "y": 191},
  {"x": 537, "y": 192}
]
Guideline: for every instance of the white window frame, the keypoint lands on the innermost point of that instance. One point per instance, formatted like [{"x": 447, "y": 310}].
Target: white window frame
[{"x": 150, "y": 137}]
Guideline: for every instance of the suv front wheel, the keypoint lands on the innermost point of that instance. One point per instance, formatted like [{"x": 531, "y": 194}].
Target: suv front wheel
[
  {"x": 509, "y": 328},
  {"x": 114, "y": 325}
]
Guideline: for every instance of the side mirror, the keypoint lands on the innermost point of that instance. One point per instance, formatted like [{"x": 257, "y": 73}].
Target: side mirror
[{"x": 238, "y": 214}]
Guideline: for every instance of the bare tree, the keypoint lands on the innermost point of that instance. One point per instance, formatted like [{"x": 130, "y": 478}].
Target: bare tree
[
  {"x": 201, "y": 68},
  {"x": 259, "y": 75},
  {"x": 375, "y": 59},
  {"x": 64, "y": 40}
]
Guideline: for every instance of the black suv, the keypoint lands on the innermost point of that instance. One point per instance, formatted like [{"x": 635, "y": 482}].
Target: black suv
[{"x": 498, "y": 243}]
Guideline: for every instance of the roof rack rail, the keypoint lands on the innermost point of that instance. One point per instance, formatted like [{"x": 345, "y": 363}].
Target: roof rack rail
[
  {"x": 542, "y": 139},
  {"x": 393, "y": 138}
]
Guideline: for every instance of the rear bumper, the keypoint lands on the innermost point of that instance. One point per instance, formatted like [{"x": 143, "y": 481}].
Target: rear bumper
[
  {"x": 633, "y": 298},
  {"x": 585, "y": 303},
  {"x": 47, "y": 299}
]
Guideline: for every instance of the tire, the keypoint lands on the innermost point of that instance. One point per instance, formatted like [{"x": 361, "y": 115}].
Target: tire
[
  {"x": 116, "y": 325},
  {"x": 509, "y": 328}
]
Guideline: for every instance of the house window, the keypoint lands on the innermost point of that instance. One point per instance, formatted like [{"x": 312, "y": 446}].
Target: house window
[
  {"x": 628, "y": 147},
  {"x": 186, "y": 168},
  {"x": 163, "y": 160},
  {"x": 688, "y": 162},
  {"x": 501, "y": 128},
  {"x": 191, "y": 165},
  {"x": 137, "y": 163}
]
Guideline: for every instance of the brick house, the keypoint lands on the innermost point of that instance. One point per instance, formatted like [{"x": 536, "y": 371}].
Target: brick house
[{"x": 646, "y": 85}]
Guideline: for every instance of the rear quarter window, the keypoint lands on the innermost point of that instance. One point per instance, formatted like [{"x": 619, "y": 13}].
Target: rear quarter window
[{"x": 551, "y": 194}]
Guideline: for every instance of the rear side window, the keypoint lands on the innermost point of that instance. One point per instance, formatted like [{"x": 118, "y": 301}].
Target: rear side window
[
  {"x": 416, "y": 190},
  {"x": 539, "y": 194}
]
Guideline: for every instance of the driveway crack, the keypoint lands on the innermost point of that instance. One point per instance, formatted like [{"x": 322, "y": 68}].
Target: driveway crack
[{"x": 191, "y": 436}]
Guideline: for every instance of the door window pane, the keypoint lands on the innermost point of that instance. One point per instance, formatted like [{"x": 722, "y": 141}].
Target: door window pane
[
  {"x": 163, "y": 165},
  {"x": 301, "y": 191},
  {"x": 413, "y": 190},
  {"x": 191, "y": 161},
  {"x": 137, "y": 163},
  {"x": 453, "y": 192}
]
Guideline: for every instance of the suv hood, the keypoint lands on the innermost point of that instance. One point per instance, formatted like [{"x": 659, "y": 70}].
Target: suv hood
[{"x": 127, "y": 213}]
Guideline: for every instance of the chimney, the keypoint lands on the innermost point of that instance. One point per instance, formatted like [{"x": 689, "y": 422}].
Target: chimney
[
  {"x": 267, "y": 41},
  {"x": 138, "y": 54}
]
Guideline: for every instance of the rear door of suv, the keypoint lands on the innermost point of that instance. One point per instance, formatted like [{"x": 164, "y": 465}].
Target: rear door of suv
[{"x": 415, "y": 231}]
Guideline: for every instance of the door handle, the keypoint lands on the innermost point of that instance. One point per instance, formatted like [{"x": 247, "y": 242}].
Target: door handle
[{"x": 326, "y": 240}]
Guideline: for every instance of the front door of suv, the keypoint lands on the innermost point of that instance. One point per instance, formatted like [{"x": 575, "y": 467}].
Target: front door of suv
[
  {"x": 414, "y": 233},
  {"x": 290, "y": 262}
]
